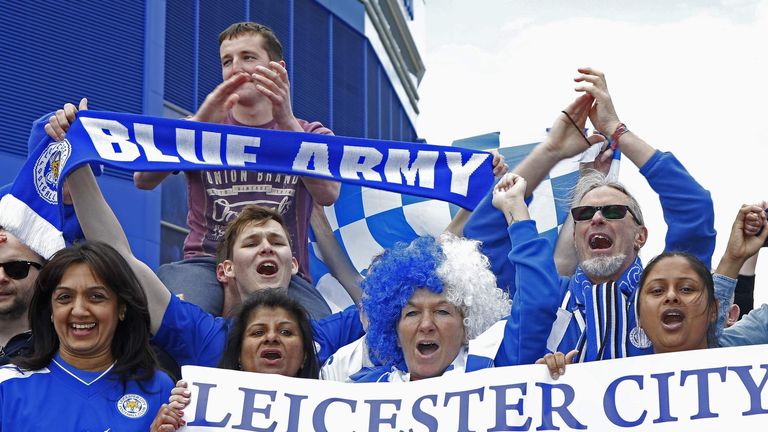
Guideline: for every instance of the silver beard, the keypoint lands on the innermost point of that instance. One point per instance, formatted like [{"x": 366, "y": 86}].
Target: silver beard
[
  {"x": 14, "y": 311},
  {"x": 603, "y": 266}
]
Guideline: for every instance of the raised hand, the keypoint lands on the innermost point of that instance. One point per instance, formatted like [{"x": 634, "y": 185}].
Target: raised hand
[
  {"x": 499, "y": 164},
  {"x": 602, "y": 162},
  {"x": 567, "y": 138},
  {"x": 221, "y": 100},
  {"x": 742, "y": 245},
  {"x": 509, "y": 197},
  {"x": 273, "y": 83},
  {"x": 603, "y": 114},
  {"x": 755, "y": 220},
  {"x": 59, "y": 123}
]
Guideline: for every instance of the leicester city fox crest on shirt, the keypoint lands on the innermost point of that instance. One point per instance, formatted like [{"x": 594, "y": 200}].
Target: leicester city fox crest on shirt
[
  {"x": 48, "y": 167},
  {"x": 132, "y": 405}
]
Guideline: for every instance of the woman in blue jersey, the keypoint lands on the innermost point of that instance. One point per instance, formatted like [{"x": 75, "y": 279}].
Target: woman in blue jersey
[
  {"x": 434, "y": 307},
  {"x": 92, "y": 367},
  {"x": 271, "y": 333}
]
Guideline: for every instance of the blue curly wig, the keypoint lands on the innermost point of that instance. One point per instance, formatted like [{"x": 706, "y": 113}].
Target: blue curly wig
[
  {"x": 391, "y": 282},
  {"x": 451, "y": 266}
]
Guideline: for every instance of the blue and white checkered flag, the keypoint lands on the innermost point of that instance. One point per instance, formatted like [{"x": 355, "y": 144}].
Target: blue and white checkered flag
[{"x": 366, "y": 221}]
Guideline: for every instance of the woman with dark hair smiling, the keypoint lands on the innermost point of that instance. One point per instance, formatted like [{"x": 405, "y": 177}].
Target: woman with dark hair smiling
[
  {"x": 91, "y": 364},
  {"x": 271, "y": 333}
]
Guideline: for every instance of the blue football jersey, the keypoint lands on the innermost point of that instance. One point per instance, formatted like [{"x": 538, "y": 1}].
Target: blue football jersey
[{"x": 63, "y": 398}]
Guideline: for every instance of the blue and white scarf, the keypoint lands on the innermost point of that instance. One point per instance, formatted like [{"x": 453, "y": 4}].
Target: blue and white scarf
[
  {"x": 608, "y": 313},
  {"x": 141, "y": 143}
]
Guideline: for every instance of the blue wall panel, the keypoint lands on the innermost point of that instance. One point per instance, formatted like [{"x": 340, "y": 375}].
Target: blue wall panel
[
  {"x": 348, "y": 81},
  {"x": 173, "y": 209},
  {"x": 385, "y": 105},
  {"x": 397, "y": 118},
  {"x": 351, "y": 12},
  {"x": 54, "y": 61},
  {"x": 138, "y": 214},
  {"x": 180, "y": 53},
  {"x": 275, "y": 15},
  {"x": 9, "y": 166},
  {"x": 311, "y": 50},
  {"x": 410, "y": 130},
  {"x": 96, "y": 50},
  {"x": 216, "y": 15},
  {"x": 372, "y": 93}
]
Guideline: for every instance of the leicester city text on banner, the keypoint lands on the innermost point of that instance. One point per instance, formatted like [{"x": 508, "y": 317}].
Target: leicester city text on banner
[{"x": 706, "y": 390}]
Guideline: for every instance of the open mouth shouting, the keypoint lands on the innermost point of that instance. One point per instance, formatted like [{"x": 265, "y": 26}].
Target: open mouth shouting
[
  {"x": 427, "y": 348},
  {"x": 267, "y": 268},
  {"x": 600, "y": 241},
  {"x": 271, "y": 356},
  {"x": 672, "y": 319}
]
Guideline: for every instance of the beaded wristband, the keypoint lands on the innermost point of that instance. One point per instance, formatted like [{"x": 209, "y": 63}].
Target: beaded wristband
[{"x": 621, "y": 129}]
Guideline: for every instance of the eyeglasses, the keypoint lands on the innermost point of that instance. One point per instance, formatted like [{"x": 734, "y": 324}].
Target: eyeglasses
[
  {"x": 610, "y": 211},
  {"x": 18, "y": 269}
]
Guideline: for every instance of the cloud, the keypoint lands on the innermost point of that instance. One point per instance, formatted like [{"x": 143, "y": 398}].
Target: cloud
[{"x": 694, "y": 85}]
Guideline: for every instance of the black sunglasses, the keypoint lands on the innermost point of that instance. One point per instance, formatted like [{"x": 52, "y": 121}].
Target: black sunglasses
[
  {"x": 18, "y": 269},
  {"x": 610, "y": 211}
]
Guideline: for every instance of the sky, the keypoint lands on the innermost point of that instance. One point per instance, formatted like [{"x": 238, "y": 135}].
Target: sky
[{"x": 687, "y": 76}]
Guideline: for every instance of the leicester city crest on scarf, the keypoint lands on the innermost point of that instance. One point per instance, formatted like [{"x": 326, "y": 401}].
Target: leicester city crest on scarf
[{"x": 48, "y": 167}]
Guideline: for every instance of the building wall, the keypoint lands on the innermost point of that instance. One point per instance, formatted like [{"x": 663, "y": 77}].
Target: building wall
[
  {"x": 52, "y": 54},
  {"x": 161, "y": 58}
]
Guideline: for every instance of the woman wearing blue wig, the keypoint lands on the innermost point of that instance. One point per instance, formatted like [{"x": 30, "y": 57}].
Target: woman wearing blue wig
[{"x": 434, "y": 307}]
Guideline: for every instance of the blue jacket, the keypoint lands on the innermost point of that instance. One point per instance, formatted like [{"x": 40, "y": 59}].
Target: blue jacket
[
  {"x": 688, "y": 212},
  {"x": 192, "y": 336},
  {"x": 751, "y": 329}
]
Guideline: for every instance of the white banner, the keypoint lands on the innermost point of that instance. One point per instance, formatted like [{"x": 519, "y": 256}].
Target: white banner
[{"x": 712, "y": 390}]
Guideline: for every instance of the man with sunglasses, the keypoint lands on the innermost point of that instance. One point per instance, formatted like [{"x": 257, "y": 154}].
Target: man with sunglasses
[
  {"x": 19, "y": 266},
  {"x": 595, "y": 319}
]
